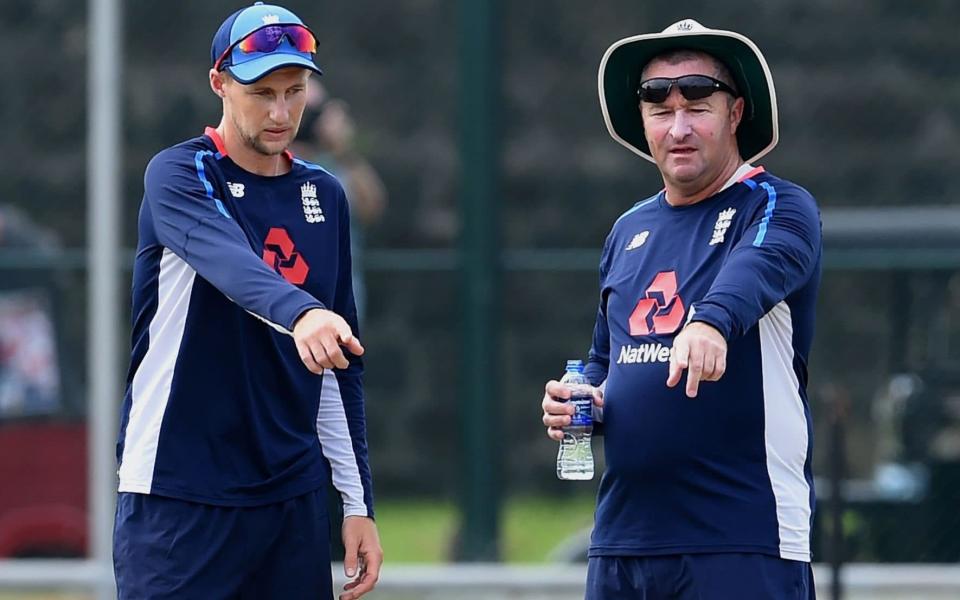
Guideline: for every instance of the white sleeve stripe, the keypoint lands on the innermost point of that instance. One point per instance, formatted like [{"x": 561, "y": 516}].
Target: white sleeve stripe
[
  {"x": 785, "y": 433},
  {"x": 279, "y": 328},
  {"x": 150, "y": 388},
  {"x": 337, "y": 446}
]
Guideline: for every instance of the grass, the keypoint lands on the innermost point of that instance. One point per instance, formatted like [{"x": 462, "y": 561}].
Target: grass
[
  {"x": 418, "y": 531},
  {"x": 535, "y": 526},
  {"x": 415, "y": 530}
]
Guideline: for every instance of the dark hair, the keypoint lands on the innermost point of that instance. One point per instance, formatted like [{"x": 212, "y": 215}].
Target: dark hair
[{"x": 679, "y": 55}]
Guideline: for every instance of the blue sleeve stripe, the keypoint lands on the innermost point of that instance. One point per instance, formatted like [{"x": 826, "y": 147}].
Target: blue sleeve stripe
[
  {"x": 638, "y": 206},
  {"x": 750, "y": 183},
  {"x": 201, "y": 173},
  {"x": 771, "y": 203},
  {"x": 311, "y": 166}
]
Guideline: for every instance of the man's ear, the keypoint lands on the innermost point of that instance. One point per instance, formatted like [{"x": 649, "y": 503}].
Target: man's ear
[
  {"x": 736, "y": 113},
  {"x": 217, "y": 81}
]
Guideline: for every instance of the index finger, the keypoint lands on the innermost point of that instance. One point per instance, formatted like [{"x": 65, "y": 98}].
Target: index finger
[
  {"x": 556, "y": 389},
  {"x": 345, "y": 335},
  {"x": 353, "y": 345},
  {"x": 678, "y": 362},
  {"x": 694, "y": 373}
]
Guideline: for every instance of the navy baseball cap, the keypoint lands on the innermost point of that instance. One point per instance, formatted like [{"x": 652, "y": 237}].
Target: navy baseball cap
[{"x": 269, "y": 20}]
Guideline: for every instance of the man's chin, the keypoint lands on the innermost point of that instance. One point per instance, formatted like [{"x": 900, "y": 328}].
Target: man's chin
[
  {"x": 270, "y": 148},
  {"x": 684, "y": 173}
]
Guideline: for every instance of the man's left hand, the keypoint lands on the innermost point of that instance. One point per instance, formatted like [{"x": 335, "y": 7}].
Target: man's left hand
[
  {"x": 701, "y": 350},
  {"x": 363, "y": 556}
]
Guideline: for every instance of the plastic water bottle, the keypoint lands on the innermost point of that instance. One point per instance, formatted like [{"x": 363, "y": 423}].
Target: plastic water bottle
[{"x": 575, "y": 459}]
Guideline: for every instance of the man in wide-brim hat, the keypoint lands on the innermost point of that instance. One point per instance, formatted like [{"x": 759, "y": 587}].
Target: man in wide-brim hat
[
  {"x": 619, "y": 82},
  {"x": 708, "y": 491}
]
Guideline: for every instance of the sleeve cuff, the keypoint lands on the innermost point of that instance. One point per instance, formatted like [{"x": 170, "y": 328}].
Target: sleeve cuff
[
  {"x": 354, "y": 510},
  {"x": 715, "y": 317},
  {"x": 305, "y": 304}
]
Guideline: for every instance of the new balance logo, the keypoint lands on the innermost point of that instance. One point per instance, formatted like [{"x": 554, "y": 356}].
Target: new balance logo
[
  {"x": 644, "y": 353},
  {"x": 723, "y": 223},
  {"x": 236, "y": 189},
  {"x": 637, "y": 241}
]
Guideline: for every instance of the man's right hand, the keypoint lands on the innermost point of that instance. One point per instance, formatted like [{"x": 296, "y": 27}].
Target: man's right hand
[
  {"x": 556, "y": 413},
  {"x": 319, "y": 333}
]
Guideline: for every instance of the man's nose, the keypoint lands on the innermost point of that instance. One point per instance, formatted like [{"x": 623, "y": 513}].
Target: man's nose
[
  {"x": 681, "y": 125},
  {"x": 280, "y": 111}
]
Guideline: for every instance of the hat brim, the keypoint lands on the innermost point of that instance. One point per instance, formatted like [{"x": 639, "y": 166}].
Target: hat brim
[
  {"x": 619, "y": 79},
  {"x": 257, "y": 68}
]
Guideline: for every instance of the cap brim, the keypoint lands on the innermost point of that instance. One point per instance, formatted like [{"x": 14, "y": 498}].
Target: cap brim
[
  {"x": 257, "y": 68},
  {"x": 619, "y": 79}
]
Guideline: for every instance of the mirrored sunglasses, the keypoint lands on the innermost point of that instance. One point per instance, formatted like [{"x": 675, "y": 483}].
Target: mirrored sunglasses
[{"x": 268, "y": 39}]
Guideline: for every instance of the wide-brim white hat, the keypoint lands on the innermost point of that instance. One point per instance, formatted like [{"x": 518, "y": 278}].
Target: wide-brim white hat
[{"x": 619, "y": 80}]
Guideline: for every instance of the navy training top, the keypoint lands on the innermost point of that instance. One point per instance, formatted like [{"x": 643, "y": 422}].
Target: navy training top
[
  {"x": 729, "y": 470},
  {"x": 219, "y": 408}
]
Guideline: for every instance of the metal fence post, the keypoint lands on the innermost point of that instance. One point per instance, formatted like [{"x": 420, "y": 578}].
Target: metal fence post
[
  {"x": 103, "y": 207},
  {"x": 479, "y": 97},
  {"x": 839, "y": 405}
]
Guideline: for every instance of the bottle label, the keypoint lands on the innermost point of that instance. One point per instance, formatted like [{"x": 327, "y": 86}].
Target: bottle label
[{"x": 583, "y": 417}]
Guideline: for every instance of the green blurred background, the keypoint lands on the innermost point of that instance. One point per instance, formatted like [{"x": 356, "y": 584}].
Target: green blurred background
[{"x": 869, "y": 99}]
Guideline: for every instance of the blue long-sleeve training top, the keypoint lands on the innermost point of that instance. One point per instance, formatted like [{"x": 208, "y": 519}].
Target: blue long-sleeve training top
[
  {"x": 729, "y": 470},
  {"x": 219, "y": 408}
]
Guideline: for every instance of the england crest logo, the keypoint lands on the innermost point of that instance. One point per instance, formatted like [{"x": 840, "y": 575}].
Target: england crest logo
[
  {"x": 311, "y": 206},
  {"x": 723, "y": 223}
]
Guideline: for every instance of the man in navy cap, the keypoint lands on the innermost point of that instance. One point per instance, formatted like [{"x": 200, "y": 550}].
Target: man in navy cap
[{"x": 244, "y": 394}]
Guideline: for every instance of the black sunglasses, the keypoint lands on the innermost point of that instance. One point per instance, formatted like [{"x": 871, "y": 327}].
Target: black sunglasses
[{"x": 692, "y": 87}]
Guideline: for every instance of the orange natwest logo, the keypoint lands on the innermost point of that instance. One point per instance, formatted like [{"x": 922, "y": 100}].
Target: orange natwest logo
[
  {"x": 280, "y": 253},
  {"x": 661, "y": 310}
]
